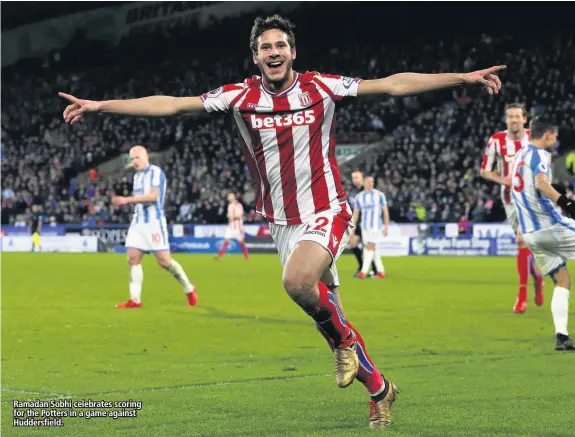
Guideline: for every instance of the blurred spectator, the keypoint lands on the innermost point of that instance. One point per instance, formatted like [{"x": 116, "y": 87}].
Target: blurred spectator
[
  {"x": 463, "y": 225},
  {"x": 479, "y": 212}
]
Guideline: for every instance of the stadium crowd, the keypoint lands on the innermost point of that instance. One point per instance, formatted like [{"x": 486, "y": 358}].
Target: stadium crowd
[{"x": 429, "y": 170}]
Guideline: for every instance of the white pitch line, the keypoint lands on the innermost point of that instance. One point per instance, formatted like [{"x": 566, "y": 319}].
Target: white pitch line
[
  {"x": 167, "y": 388},
  {"x": 209, "y": 384},
  {"x": 30, "y": 392}
]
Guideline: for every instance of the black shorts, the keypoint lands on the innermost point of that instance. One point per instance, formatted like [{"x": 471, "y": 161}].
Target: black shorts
[{"x": 357, "y": 230}]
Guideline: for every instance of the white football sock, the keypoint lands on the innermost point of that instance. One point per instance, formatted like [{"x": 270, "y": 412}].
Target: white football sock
[
  {"x": 367, "y": 260},
  {"x": 178, "y": 272},
  {"x": 378, "y": 263},
  {"x": 560, "y": 309},
  {"x": 136, "y": 279}
]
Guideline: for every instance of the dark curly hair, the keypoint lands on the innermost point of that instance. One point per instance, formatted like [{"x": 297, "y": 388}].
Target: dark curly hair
[{"x": 272, "y": 22}]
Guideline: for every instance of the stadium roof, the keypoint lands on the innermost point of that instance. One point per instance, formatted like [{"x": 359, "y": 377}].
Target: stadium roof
[{"x": 15, "y": 14}]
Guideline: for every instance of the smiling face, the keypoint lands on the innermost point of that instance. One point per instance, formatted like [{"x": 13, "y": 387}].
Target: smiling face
[
  {"x": 274, "y": 57},
  {"x": 515, "y": 120}
]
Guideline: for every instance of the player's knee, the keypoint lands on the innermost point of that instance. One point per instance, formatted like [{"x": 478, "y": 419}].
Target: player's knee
[
  {"x": 561, "y": 278},
  {"x": 164, "y": 262},
  {"x": 133, "y": 260},
  {"x": 521, "y": 242},
  {"x": 300, "y": 286},
  {"x": 565, "y": 281}
]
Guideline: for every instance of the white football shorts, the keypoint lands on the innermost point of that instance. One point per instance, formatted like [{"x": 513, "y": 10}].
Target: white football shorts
[
  {"x": 371, "y": 235},
  {"x": 511, "y": 214},
  {"x": 552, "y": 247},
  {"x": 330, "y": 230},
  {"x": 148, "y": 237}
]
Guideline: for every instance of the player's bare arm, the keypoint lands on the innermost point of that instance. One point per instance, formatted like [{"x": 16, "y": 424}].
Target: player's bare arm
[
  {"x": 152, "y": 106},
  {"x": 493, "y": 176},
  {"x": 355, "y": 216},
  {"x": 543, "y": 185},
  {"x": 151, "y": 197},
  {"x": 403, "y": 84},
  {"x": 385, "y": 210},
  {"x": 545, "y": 188}
]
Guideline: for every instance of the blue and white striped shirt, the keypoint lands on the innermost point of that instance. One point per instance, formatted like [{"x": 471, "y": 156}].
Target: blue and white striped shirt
[
  {"x": 534, "y": 210},
  {"x": 370, "y": 205},
  {"x": 144, "y": 180}
]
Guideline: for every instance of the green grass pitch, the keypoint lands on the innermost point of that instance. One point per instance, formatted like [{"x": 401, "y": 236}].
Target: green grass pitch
[{"x": 248, "y": 362}]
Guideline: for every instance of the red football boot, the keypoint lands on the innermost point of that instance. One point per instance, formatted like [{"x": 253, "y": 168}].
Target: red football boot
[
  {"x": 520, "y": 306},
  {"x": 129, "y": 304},
  {"x": 361, "y": 275},
  {"x": 192, "y": 297},
  {"x": 381, "y": 275}
]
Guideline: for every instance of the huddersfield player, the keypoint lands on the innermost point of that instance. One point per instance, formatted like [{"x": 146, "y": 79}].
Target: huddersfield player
[
  {"x": 354, "y": 242},
  {"x": 549, "y": 235},
  {"x": 371, "y": 204},
  {"x": 148, "y": 231},
  {"x": 35, "y": 229}
]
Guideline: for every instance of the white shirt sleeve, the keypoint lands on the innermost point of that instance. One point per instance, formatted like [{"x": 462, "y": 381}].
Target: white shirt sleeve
[
  {"x": 220, "y": 99},
  {"x": 337, "y": 86}
]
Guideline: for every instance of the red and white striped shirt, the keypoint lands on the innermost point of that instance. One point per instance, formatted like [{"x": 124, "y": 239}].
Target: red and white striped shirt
[
  {"x": 288, "y": 142},
  {"x": 236, "y": 216},
  {"x": 501, "y": 150}
]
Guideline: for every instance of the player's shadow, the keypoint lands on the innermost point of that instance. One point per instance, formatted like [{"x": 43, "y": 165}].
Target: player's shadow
[{"x": 219, "y": 314}]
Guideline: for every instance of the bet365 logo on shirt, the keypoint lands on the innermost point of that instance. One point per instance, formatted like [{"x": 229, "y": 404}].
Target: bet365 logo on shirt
[{"x": 299, "y": 118}]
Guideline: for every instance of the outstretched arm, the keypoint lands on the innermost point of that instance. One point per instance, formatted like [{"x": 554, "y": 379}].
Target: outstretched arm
[
  {"x": 403, "y": 84},
  {"x": 153, "y": 106}
]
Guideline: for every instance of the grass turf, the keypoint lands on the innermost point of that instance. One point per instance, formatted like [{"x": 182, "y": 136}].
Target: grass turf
[{"x": 248, "y": 362}]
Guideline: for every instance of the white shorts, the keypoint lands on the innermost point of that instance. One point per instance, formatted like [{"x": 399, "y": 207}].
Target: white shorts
[
  {"x": 330, "y": 230},
  {"x": 370, "y": 235},
  {"x": 511, "y": 214},
  {"x": 552, "y": 247},
  {"x": 232, "y": 233},
  {"x": 148, "y": 237}
]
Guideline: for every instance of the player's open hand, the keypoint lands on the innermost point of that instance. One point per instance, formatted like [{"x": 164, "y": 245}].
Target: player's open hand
[
  {"x": 386, "y": 231},
  {"x": 73, "y": 112},
  {"x": 487, "y": 78},
  {"x": 119, "y": 200},
  {"x": 507, "y": 180}
]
